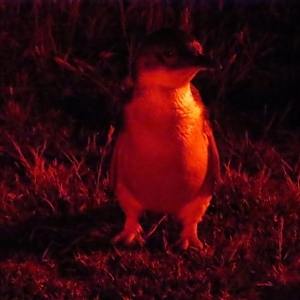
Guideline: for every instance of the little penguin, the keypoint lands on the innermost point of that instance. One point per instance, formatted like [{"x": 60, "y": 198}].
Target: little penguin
[{"x": 165, "y": 158}]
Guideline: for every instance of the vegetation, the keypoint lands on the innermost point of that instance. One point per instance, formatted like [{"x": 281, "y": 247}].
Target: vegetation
[{"x": 64, "y": 67}]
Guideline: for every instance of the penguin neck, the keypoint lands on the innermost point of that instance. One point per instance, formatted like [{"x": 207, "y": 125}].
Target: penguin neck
[{"x": 163, "y": 97}]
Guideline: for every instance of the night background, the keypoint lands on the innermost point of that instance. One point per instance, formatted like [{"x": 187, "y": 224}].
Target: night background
[{"x": 64, "y": 76}]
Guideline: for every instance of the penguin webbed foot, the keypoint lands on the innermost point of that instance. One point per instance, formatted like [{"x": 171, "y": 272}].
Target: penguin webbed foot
[
  {"x": 189, "y": 242},
  {"x": 129, "y": 236},
  {"x": 188, "y": 237}
]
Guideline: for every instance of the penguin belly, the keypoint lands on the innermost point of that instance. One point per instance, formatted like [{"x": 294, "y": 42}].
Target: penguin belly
[{"x": 160, "y": 168}]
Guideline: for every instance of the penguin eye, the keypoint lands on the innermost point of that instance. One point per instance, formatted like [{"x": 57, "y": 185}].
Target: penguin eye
[{"x": 169, "y": 56}]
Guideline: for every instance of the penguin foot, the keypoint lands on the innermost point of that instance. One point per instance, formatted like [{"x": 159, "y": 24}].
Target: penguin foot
[
  {"x": 188, "y": 236},
  {"x": 189, "y": 242},
  {"x": 129, "y": 236}
]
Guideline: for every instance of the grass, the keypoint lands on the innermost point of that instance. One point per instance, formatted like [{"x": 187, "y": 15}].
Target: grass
[{"x": 63, "y": 81}]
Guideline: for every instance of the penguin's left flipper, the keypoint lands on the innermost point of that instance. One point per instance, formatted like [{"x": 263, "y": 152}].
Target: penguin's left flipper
[{"x": 214, "y": 158}]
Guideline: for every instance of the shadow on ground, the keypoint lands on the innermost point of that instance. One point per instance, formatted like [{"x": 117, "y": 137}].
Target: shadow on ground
[{"x": 58, "y": 235}]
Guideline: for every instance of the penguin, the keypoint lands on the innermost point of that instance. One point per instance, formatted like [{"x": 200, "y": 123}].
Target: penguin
[{"x": 165, "y": 159}]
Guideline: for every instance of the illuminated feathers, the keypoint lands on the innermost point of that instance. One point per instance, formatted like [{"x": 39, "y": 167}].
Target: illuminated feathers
[{"x": 165, "y": 158}]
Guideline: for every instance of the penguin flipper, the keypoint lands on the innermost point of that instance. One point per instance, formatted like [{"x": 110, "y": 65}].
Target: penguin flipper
[{"x": 214, "y": 157}]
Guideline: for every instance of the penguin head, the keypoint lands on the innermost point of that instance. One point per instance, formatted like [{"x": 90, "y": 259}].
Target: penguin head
[{"x": 170, "y": 58}]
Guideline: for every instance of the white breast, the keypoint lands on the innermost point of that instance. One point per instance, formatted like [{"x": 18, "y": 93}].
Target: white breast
[{"x": 162, "y": 151}]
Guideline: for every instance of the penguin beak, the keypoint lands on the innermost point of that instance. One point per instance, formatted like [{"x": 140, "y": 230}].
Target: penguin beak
[{"x": 207, "y": 62}]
